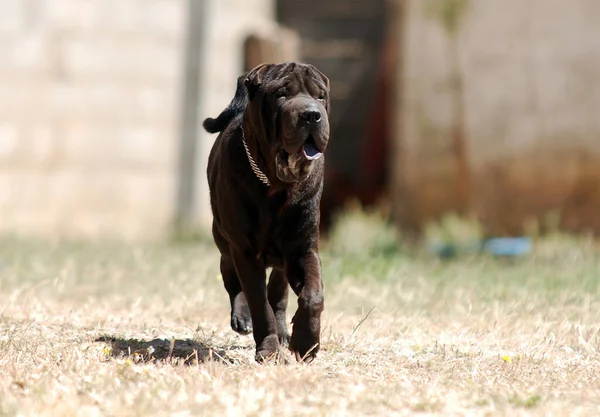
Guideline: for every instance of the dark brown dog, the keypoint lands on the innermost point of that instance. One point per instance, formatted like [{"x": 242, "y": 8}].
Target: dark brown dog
[{"x": 265, "y": 174}]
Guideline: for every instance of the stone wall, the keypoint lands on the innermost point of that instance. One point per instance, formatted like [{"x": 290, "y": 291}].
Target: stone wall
[
  {"x": 90, "y": 102},
  {"x": 89, "y": 94}
]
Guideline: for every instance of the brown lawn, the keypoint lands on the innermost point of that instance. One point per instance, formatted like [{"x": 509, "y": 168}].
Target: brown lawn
[{"x": 98, "y": 329}]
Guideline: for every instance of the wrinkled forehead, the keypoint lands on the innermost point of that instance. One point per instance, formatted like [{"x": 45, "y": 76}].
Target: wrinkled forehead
[{"x": 303, "y": 77}]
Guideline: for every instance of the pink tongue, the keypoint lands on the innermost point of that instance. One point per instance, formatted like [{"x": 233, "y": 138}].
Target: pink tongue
[{"x": 310, "y": 152}]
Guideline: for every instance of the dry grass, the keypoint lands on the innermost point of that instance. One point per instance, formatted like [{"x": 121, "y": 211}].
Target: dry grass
[{"x": 100, "y": 329}]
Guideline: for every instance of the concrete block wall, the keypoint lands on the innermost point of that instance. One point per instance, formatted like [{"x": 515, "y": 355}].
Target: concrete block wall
[
  {"x": 90, "y": 102},
  {"x": 89, "y": 94}
]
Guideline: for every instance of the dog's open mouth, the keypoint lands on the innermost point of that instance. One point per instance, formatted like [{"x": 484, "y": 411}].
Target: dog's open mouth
[{"x": 309, "y": 149}]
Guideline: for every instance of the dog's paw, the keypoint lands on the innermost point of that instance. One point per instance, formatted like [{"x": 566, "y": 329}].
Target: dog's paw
[
  {"x": 284, "y": 338},
  {"x": 241, "y": 325},
  {"x": 305, "y": 340},
  {"x": 282, "y": 331},
  {"x": 241, "y": 321},
  {"x": 304, "y": 349},
  {"x": 270, "y": 351}
]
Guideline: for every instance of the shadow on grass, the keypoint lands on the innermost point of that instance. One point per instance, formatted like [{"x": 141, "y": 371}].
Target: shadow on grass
[{"x": 188, "y": 352}]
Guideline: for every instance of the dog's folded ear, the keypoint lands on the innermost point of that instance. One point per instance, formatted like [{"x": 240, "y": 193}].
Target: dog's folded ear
[
  {"x": 325, "y": 80},
  {"x": 254, "y": 79},
  {"x": 323, "y": 76}
]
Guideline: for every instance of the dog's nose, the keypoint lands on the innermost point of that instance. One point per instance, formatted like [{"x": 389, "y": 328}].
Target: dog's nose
[{"x": 311, "y": 115}]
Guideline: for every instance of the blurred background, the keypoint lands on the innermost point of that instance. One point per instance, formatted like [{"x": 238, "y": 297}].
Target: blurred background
[{"x": 480, "y": 109}]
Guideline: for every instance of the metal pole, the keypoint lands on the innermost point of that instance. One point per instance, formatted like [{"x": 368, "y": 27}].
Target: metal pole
[{"x": 188, "y": 142}]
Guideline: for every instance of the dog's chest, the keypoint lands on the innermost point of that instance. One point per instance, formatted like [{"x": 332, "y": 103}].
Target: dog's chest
[
  {"x": 274, "y": 221},
  {"x": 270, "y": 246}
]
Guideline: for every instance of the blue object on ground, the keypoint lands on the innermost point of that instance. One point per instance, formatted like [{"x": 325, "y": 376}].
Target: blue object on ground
[
  {"x": 507, "y": 246},
  {"x": 497, "y": 246}
]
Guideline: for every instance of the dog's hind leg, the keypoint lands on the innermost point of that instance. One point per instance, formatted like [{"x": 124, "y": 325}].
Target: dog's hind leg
[
  {"x": 254, "y": 283},
  {"x": 241, "y": 321},
  {"x": 277, "y": 292}
]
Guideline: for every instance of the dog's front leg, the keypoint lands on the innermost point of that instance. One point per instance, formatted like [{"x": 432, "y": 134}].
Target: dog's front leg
[
  {"x": 304, "y": 275},
  {"x": 240, "y": 313},
  {"x": 253, "y": 278}
]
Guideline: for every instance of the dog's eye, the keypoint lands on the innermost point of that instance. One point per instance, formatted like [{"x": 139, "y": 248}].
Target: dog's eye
[
  {"x": 322, "y": 96},
  {"x": 282, "y": 92}
]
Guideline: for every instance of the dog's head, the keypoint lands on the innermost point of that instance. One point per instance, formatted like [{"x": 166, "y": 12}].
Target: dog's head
[{"x": 289, "y": 109}]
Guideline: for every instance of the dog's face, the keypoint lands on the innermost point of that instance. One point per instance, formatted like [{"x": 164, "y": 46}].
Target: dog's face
[{"x": 289, "y": 104}]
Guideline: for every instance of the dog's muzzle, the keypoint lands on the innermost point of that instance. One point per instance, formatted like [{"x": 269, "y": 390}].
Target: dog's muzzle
[
  {"x": 311, "y": 119},
  {"x": 304, "y": 139}
]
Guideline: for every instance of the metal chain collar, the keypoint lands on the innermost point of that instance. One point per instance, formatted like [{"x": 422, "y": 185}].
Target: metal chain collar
[{"x": 259, "y": 174}]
